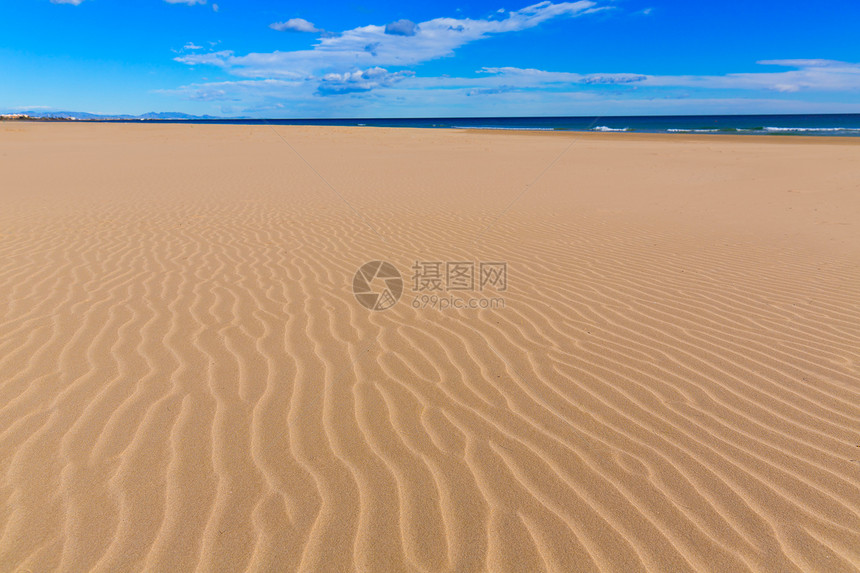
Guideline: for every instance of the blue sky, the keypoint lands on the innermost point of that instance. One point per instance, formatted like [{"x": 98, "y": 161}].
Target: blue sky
[{"x": 368, "y": 58}]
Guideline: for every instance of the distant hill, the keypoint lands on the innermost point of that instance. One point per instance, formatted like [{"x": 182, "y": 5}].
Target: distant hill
[
  {"x": 84, "y": 116},
  {"x": 175, "y": 115}
]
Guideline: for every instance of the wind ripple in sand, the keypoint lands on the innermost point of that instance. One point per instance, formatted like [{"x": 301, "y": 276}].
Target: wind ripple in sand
[{"x": 189, "y": 384}]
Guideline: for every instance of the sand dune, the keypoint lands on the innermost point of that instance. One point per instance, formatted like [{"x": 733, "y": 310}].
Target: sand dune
[{"x": 187, "y": 381}]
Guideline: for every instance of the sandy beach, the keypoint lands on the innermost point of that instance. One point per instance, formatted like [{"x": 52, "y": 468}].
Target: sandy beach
[{"x": 661, "y": 370}]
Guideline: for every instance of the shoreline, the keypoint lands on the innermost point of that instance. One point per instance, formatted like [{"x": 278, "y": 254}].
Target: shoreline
[
  {"x": 776, "y": 125},
  {"x": 597, "y": 135}
]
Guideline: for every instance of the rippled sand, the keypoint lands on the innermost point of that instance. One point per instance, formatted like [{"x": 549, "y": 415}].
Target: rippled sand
[{"x": 187, "y": 381}]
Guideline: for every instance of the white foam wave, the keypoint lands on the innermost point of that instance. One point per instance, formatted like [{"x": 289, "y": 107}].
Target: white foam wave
[
  {"x": 811, "y": 129},
  {"x": 693, "y": 130}
]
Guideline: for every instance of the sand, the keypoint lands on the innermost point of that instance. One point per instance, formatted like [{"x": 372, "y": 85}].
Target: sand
[{"x": 187, "y": 381}]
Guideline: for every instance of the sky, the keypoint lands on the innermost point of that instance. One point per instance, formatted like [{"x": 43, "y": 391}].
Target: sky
[{"x": 448, "y": 58}]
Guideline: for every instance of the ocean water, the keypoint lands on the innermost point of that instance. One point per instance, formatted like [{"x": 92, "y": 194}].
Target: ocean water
[{"x": 844, "y": 125}]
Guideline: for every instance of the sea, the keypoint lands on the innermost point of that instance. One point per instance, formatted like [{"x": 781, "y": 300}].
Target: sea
[{"x": 841, "y": 125}]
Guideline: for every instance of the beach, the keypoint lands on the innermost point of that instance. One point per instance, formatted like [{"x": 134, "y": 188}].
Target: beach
[{"x": 604, "y": 352}]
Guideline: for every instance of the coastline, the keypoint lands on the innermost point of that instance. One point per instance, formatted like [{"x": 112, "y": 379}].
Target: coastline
[
  {"x": 821, "y": 125},
  {"x": 608, "y": 135}
]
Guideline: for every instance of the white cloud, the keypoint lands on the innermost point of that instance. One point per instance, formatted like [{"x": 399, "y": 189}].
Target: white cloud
[
  {"x": 186, "y": 2},
  {"x": 359, "y": 81},
  {"x": 448, "y": 97},
  {"x": 72, "y": 2},
  {"x": 292, "y": 90},
  {"x": 371, "y": 64},
  {"x": 518, "y": 91},
  {"x": 370, "y": 46},
  {"x": 808, "y": 75},
  {"x": 530, "y": 76},
  {"x": 401, "y": 28},
  {"x": 294, "y": 25},
  {"x": 803, "y": 63},
  {"x": 238, "y": 91}
]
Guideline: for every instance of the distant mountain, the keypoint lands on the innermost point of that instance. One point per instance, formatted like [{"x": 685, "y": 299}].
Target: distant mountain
[
  {"x": 83, "y": 116},
  {"x": 175, "y": 115}
]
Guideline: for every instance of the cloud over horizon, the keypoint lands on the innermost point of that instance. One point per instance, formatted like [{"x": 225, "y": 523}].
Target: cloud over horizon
[
  {"x": 513, "y": 82},
  {"x": 533, "y": 57},
  {"x": 378, "y": 58},
  {"x": 401, "y": 43},
  {"x": 820, "y": 75}
]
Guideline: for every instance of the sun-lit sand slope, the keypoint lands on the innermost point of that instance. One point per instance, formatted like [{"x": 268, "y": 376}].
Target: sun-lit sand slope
[{"x": 188, "y": 382}]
